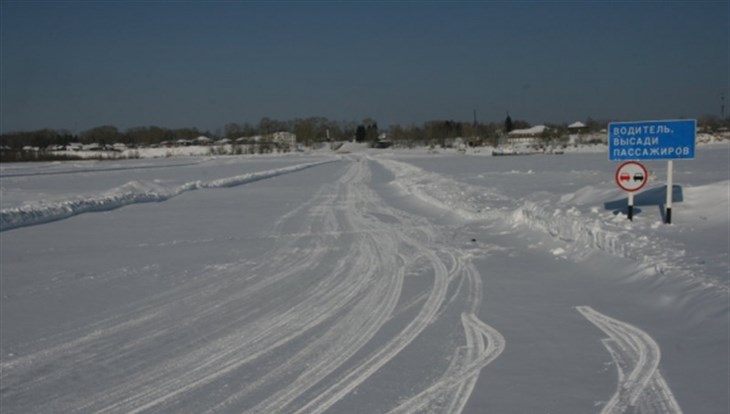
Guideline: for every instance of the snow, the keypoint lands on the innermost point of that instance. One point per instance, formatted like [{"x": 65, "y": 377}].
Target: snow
[
  {"x": 367, "y": 281},
  {"x": 132, "y": 192},
  {"x": 349, "y": 147}
]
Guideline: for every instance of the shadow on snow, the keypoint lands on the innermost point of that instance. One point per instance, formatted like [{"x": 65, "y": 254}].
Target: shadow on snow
[{"x": 654, "y": 197}]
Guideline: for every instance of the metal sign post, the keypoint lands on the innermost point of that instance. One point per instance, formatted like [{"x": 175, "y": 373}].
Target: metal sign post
[
  {"x": 630, "y": 211},
  {"x": 670, "y": 191},
  {"x": 631, "y": 177},
  {"x": 654, "y": 140}
]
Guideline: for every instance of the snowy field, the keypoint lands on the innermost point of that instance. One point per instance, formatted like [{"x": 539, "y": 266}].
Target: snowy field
[{"x": 368, "y": 282}]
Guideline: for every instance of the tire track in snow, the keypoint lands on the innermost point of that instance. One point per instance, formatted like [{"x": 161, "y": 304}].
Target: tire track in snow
[
  {"x": 147, "y": 325},
  {"x": 483, "y": 345},
  {"x": 102, "y": 342},
  {"x": 637, "y": 357},
  {"x": 360, "y": 323},
  {"x": 362, "y": 372},
  {"x": 271, "y": 331},
  {"x": 155, "y": 363},
  {"x": 428, "y": 313},
  {"x": 160, "y": 383}
]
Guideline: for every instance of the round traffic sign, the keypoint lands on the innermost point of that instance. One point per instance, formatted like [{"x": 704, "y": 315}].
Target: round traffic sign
[{"x": 631, "y": 176}]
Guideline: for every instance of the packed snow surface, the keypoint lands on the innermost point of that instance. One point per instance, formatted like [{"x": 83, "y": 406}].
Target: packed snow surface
[{"x": 365, "y": 281}]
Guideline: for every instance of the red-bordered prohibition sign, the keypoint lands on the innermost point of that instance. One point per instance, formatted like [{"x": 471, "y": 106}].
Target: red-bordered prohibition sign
[{"x": 631, "y": 176}]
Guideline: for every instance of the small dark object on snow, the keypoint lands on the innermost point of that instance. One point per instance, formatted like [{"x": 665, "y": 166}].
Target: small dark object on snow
[{"x": 473, "y": 240}]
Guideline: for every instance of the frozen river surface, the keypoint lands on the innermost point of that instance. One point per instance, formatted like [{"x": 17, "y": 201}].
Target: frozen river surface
[{"x": 366, "y": 283}]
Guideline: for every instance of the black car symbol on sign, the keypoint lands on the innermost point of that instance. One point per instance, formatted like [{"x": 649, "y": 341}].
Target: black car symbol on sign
[{"x": 638, "y": 176}]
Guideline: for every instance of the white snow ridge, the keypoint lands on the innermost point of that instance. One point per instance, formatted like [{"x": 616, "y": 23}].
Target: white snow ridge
[{"x": 130, "y": 193}]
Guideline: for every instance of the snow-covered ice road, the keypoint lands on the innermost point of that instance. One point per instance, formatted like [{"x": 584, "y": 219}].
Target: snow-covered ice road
[
  {"x": 346, "y": 284},
  {"x": 330, "y": 289}
]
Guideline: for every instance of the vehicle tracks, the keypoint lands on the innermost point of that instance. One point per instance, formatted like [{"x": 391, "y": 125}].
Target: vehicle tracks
[
  {"x": 297, "y": 332},
  {"x": 636, "y": 355}
]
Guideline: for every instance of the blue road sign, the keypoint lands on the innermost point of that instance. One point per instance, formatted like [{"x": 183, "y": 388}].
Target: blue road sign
[{"x": 652, "y": 140}]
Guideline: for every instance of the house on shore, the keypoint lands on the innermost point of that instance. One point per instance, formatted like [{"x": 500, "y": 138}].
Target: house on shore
[
  {"x": 202, "y": 140},
  {"x": 284, "y": 138},
  {"x": 574, "y": 132},
  {"x": 526, "y": 137}
]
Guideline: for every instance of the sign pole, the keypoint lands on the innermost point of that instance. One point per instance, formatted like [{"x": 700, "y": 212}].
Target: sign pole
[
  {"x": 631, "y": 206},
  {"x": 670, "y": 190},
  {"x": 631, "y": 177}
]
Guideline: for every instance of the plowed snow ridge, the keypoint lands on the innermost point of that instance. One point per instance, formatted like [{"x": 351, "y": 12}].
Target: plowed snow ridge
[
  {"x": 130, "y": 193},
  {"x": 477, "y": 203}
]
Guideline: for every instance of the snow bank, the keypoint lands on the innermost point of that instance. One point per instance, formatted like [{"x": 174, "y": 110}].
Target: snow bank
[
  {"x": 129, "y": 193},
  {"x": 614, "y": 236},
  {"x": 576, "y": 219},
  {"x": 643, "y": 241}
]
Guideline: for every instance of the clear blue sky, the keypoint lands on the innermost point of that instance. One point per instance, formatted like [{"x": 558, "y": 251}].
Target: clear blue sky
[{"x": 75, "y": 65}]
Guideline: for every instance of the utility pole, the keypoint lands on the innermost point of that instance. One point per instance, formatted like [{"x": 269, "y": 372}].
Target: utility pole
[{"x": 722, "y": 106}]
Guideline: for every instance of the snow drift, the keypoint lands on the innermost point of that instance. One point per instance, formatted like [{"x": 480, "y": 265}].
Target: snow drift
[
  {"x": 573, "y": 218},
  {"x": 129, "y": 193}
]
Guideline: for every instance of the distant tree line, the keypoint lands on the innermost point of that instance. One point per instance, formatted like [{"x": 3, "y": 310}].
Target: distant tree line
[
  {"x": 103, "y": 135},
  {"x": 309, "y": 131}
]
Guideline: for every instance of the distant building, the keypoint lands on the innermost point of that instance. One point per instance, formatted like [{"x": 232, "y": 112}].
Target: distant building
[
  {"x": 528, "y": 136},
  {"x": 283, "y": 137},
  {"x": 92, "y": 147},
  {"x": 574, "y": 131},
  {"x": 202, "y": 140}
]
